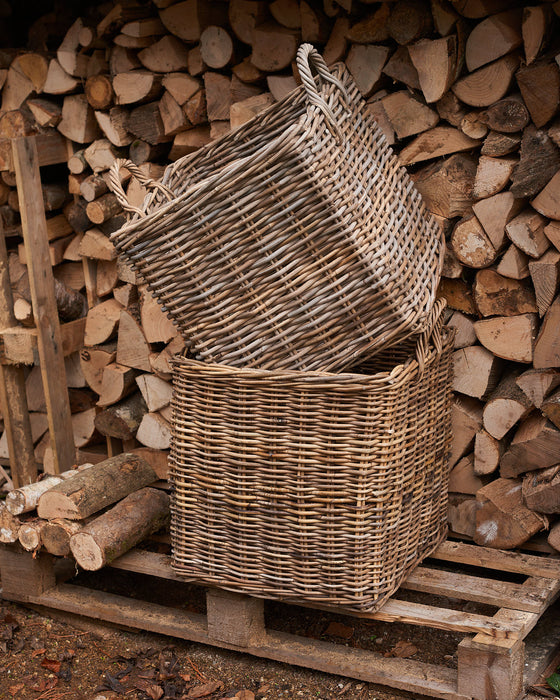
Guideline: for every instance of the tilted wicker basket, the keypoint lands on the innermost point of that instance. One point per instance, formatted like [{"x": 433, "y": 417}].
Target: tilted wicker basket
[
  {"x": 295, "y": 242},
  {"x": 309, "y": 486}
]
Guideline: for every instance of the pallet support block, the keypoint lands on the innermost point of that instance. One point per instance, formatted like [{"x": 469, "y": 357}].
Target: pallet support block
[
  {"x": 25, "y": 576},
  {"x": 490, "y": 669},
  {"x": 234, "y": 618}
]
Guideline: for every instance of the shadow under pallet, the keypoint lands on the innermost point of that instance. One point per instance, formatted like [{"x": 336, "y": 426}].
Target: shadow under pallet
[{"x": 499, "y": 656}]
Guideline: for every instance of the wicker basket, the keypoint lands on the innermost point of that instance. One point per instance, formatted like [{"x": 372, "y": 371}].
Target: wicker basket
[
  {"x": 312, "y": 487},
  {"x": 295, "y": 242}
]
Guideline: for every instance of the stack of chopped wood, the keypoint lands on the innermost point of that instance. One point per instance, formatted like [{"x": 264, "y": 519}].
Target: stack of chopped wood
[
  {"x": 95, "y": 513},
  {"x": 466, "y": 91}
]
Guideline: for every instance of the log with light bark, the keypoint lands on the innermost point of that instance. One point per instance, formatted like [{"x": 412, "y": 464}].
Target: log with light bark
[
  {"x": 119, "y": 529},
  {"x": 56, "y": 534},
  {"x": 30, "y": 534},
  {"x": 99, "y": 486}
]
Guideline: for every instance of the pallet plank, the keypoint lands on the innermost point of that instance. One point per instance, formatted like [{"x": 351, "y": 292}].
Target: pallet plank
[
  {"x": 474, "y": 588},
  {"x": 404, "y": 674},
  {"x": 498, "y": 559},
  {"x": 393, "y": 610}
]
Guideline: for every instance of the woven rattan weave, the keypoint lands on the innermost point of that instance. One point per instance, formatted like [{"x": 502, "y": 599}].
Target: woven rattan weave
[
  {"x": 295, "y": 242},
  {"x": 312, "y": 486}
]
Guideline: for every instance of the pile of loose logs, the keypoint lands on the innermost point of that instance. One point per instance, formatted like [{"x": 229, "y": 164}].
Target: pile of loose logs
[
  {"x": 466, "y": 91},
  {"x": 95, "y": 512}
]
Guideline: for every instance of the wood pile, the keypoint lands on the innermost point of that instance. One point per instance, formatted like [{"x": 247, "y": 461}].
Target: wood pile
[
  {"x": 466, "y": 91},
  {"x": 95, "y": 512}
]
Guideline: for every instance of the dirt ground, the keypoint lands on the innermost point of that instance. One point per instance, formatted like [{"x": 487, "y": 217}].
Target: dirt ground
[{"x": 43, "y": 657}]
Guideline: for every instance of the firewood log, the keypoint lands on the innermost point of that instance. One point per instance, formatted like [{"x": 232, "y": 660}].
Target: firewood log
[
  {"x": 547, "y": 202},
  {"x": 466, "y": 421},
  {"x": 487, "y": 85},
  {"x": 476, "y": 371},
  {"x": 541, "y": 490},
  {"x": 126, "y": 524},
  {"x": 439, "y": 141},
  {"x": 487, "y": 453},
  {"x": 505, "y": 406},
  {"x": 554, "y": 537},
  {"x": 78, "y": 121},
  {"x": 462, "y": 478},
  {"x": 492, "y": 38},
  {"x": 135, "y": 87},
  {"x": 30, "y": 534},
  {"x": 121, "y": 420},
  {"x": 547, "y": 345},
  {"x": 492, "y": 175},
  {"x": 102, "y": 322},
  {"x": 56, "y": 534},
  {"x": 436, "y": 63},
  {"x": 465, "y": 334},
  {"x": 535, "y": 445},
  {"x": 551, "y": 408},
  {"x": 471, "y": 245},
  {"x": 164, "y": 56},
  {"x": 116, "y": 383},
  {"x": 132, "y": 347},
  {"x": 156, "y": 392},
  {"x": 495, "y": 295},
  {"x": 409, "y": 21},
  {"x": 509, "y": 337},
  {"x": 540, "y": 87},
  {"x": 446, "y": 186},
  {"x": 537, "y": 384},
  {"x": 400, "y": 67},
  {"x": 540, "y": 160},
  {"x": 513, "y": 263},
  {"x": 535, "y": 30},
  {"x": 154, "y": 432},
  {"x": 99, "y": 486},
  {"x": 244, "y": 16},
  {"x": 461, "y": 514},
  {"x": 502, "y": 521},
  {"x": 545, "y": 275}
]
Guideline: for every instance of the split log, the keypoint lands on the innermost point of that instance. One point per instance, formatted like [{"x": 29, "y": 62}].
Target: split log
[
  {"x": 154, "y": 432},
  {"x": 446, "y": 186},
  {"x": 540, "y": 87},
  {"x": 99, "y": 91},
  {"x": 119, "y": 529},
  {"x": 458, "y": 295},
  {"x": 156, "y": 326},
  {"x": 487, "y": 85},
  {"x": 9, "y": 526},
  {"x": 156, "y": 392},
  {"x": 436, "y": 63},
  {"x": 188, "y": 19},
  {"x": 476, "y": 371},
  {"x": 216, "y": 47},
  {"x": 165, "y": 56},
  {"x": 547, "y": 345},
  {"x": 551, "y": 408},
  {"x": 439, "y": 141},
  {"x": 505, "y": 406},
  {"x": 527, "y": 232},
  {"x": 545, "y": 274},
  {"x": 537, "y": 384},
  {"x": 492, "y": 38},
  {"x": 244, "y": 16},
  {"x": 102, "y": 322},
  {"x": 408, "y": 115},
  {"x": 172, "y": 116},
  {"x": 122, "y": 420},
  {"x": 547, "y": 202},
  {"x": 502, "y": 521},
  {"x": 462, "y": 478},
  {"x": 365, "y": 62},
  {"x": 400, "y": 67},
  {"x": 509, "y": 337},
  {"x": 136, "y": 86},
  {"x": 466, "y": 421},
  {"x": 78, "y": 121},
  {"x": 535, "y": 29},
  {"x": 541, "y": 490},
  {"x": 535, "y": 445},
  {"x": 540, "y": 161},
  {"x": 497, "y": 144},
  {"x": 461, "y": 514},
  {"x": 73, "y": 62},
  {"x": 99, "y": 486},
  {"x": 103, "y": 209},
  {"x": 146, "y": 124},
  {"x": 93, "y": 361},
  {"x": 132, "y": 347},
  {"x": 494, "y": 213},
  {"x": 180, "y": 86},
  {"x": 495, "y": 295},
  {"x": 554, "y": 537},
  {"x": 487, "y": 453},
  {"x": 471, "y": 245},
  {"x": 465, "y": 334},
  {"x": 117, "y": 382},
  {"x": 492, "y": 175},
  {"x": 83, "y": 427}
]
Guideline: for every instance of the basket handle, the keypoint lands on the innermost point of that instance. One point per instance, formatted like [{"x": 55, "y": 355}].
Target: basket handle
[
  {"x": 431, "y": 336},
  {"x": 307, "y": 59},
  {"x": 133, "y": 169}
]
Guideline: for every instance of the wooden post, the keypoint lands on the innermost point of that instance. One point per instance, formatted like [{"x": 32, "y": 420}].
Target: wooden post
[
  {"x": 41, "y": 280},
  {"x": 490, "y": 669},
  {"x": 12, "y": 390},
  {"x": 235, "y": 618}
]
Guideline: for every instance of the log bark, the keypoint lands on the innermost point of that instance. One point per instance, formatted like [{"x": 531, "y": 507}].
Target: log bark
[
  {"x": 122, "y": 527},
  {"x": 99, "y": 486},
  {"x": 535, "y": 445},
  {"x": 541, "y": 490},
  {"x": 122, "y": 420},
  {"x": 56, "y": 535}
]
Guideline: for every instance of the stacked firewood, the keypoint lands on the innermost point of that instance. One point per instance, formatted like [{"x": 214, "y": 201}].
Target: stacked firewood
[
  {"x": 466, "y": 91},
  {"x": 94, "y": 513}
]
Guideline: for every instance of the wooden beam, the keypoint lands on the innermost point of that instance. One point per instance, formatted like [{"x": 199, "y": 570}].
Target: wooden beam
[
  {"x": 49, "y": 338},
  {"x": 13, "y": 399}
]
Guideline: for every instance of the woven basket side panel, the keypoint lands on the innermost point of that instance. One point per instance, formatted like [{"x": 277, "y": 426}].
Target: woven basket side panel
[
  {"x": 322, "y": 496},
  {"x": 305, "y": 258}
]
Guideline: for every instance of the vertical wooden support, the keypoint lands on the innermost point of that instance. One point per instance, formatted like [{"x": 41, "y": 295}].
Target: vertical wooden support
[
  {"x": 23, "y": 574},
  {"x": 12, "y": 390},
  {"x": 490, "y": 669},
  {"x": 41, "y": 281},
  {"x": 235, "y": 618}
]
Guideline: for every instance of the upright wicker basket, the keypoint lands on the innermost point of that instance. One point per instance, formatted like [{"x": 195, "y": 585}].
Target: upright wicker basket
[
  {"x": 312, "y": 486},
  {"x": 295, "y": 242}
]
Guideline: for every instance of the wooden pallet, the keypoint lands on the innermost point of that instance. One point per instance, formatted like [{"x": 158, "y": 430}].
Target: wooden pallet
[{"x": 492, "y": 657}]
